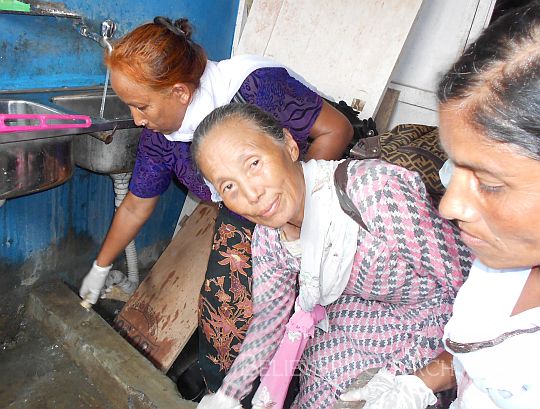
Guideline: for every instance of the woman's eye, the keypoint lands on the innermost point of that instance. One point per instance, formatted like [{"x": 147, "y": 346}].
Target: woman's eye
[
  {"x": 227, "y": 187},
  {"x": 489, "y": 188},
  {"x": 255, "y": 163},
  {"x": 142, "y": 109}
]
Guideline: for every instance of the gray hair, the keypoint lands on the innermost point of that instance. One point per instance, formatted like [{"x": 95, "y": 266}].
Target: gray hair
[
  {"x": 497, "y": 83},
  {"x": 235, "y": 112}
]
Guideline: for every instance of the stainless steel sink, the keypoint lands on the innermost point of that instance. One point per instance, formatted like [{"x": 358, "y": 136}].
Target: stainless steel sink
[
  {"x": 108, "y": 151},
  {"x": 37, "y": 160},
  {"x": 31, "y": 166},
  {"x": 9, "y": 106},
  {"x": 89, "y": 103}
]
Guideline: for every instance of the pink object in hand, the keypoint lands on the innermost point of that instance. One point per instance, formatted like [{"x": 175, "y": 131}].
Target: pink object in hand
[
  {"x": 275, "y": 382},
  {"x": 43, "y": 122}
]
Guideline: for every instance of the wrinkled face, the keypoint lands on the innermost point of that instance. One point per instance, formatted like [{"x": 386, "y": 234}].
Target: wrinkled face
[
  {"x": 494, "y": 195},
  {"x": 160, "y": 111},
  {"x": 257, "y": 176}
]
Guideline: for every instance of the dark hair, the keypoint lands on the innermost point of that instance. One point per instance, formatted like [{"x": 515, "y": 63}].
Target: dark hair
[
  {"x": 236, "y": 112},
  {"x": 496, "y": 81},
  {"x": 159, "y": 54}
]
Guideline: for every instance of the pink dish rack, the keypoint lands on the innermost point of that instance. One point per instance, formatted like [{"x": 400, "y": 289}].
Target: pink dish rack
[{"x": 43, "y": 122}]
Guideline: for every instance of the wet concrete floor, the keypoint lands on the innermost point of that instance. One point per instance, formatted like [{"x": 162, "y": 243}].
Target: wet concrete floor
[{"x": 36, "y": 373}]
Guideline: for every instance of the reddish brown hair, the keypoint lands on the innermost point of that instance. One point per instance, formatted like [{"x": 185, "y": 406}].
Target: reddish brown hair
[{"x": 159, "y": 55}]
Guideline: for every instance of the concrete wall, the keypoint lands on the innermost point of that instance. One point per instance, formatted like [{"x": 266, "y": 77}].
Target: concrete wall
[{"x": 58, "y": 232}]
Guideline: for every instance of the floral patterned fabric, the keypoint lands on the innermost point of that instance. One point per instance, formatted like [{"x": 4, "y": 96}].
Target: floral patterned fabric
[{"x": 225, "y": 301}]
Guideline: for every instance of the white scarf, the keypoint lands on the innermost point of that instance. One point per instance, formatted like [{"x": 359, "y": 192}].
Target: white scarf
[
  {"x": 219, "y": 82},
  {"x": 328, "y": 238}
]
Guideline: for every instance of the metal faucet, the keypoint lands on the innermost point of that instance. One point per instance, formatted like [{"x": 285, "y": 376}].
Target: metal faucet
[{"x": 108, "y": 27}]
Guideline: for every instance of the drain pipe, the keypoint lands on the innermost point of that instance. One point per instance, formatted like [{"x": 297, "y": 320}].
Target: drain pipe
[{"x": 130, "y": 283}]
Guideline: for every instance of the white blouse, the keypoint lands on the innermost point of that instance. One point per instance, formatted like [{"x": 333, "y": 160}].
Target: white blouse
[{"x": 506, "y": 375}]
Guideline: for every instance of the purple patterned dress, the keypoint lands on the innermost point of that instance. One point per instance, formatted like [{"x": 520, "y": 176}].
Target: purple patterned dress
[
  {"x": 225, "y": 304},
  {"x": 294, "y": 105}
]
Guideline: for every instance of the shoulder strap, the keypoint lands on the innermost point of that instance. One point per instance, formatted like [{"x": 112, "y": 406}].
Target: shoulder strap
[
  {"x": 340, "y": 182},
  {"x": 367, "y": 148}
]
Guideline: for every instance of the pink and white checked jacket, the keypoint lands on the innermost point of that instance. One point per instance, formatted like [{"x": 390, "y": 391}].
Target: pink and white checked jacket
[{"x": 406, "y": 273}]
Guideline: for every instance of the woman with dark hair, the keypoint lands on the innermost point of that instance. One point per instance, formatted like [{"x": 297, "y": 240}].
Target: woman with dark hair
[
  {"x": 386, "y": 281},
  {"x": 170, "y": 86},
  {"x": 490, "y": 128}
]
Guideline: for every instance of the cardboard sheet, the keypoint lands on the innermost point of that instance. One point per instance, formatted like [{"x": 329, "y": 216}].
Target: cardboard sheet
[{"x": 347, "y": 49}]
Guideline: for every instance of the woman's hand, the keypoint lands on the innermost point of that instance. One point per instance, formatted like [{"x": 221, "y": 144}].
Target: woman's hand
[
  {"x": 93, "y": 282},
  {"x": 387, "y": 391},
  {"x": 219, "y": 400}
]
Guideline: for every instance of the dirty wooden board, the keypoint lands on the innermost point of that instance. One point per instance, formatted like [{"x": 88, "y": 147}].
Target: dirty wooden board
[
  {"x": 347, "y": 49},
  {"x": 161, "y": 315}
]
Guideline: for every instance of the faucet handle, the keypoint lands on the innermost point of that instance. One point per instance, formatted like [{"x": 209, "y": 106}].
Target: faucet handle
[{"x": 108, "y": 27}]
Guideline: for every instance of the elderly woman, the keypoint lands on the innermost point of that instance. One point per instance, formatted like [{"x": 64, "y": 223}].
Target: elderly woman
[
  {"x": 490, "y": 128},
  {"x": 387, "y": 286}
]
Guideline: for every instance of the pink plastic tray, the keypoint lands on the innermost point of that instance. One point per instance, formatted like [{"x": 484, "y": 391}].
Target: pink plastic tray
[{"x": 43, "y": 122}]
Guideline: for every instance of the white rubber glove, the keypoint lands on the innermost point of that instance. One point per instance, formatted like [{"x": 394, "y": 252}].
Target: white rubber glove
[
  {"x": 93, "y": 283},
  {"x": 387, "y": 391},
  {"x": 219, "y": 400}
]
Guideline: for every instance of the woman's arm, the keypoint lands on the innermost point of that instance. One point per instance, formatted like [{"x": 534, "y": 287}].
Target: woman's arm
[
  {"x": 331, "y": 134},
  {"x": 438, "y": 375},
  {"x": 274, "y": 293},
  {"x": 311, "y": 121},
  {"x": 127, "y": 221}
]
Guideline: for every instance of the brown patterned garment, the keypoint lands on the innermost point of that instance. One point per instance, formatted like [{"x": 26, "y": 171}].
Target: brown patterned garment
[
  {"x": 411, "y": 146},
  {"x": 225, "y": 302}
]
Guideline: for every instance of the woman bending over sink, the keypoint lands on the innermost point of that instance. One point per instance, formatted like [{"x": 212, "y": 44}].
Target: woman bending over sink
[{"x": 170, "y": 86}]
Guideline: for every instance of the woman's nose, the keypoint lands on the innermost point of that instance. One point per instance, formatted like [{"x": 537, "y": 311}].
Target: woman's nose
[
  {"x": 253, "y": 191},
  {"x": 458, "y": 202},
  {"x": 138, "y": 118}
]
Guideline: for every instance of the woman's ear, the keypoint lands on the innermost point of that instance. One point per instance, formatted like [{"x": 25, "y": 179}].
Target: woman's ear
[
  {"x": 183, "y": 92},
  {"x": 291, "y": 145}
]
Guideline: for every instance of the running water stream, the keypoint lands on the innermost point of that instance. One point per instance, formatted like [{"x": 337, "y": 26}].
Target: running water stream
[{"x": 104, "y": 97}]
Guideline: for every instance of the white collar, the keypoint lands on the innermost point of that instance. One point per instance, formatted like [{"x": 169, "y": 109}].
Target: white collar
[{"x": 218, "y": 84}]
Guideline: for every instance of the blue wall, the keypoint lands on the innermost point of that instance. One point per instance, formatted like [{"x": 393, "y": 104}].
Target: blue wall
[
  {"x": 37, "y": 52},
  {"x": 59, "y": 231}
]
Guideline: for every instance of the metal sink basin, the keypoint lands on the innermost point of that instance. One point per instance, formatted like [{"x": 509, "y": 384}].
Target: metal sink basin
[
  {"x": 8, "y": 106},
  {"x": 36, "y": 160},
  {"x": 108, "y": 151},
  {"x": 32, "y": 165}
]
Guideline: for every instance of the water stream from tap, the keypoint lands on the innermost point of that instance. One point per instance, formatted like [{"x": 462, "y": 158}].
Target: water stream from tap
[{"x": 104, "y": 97}]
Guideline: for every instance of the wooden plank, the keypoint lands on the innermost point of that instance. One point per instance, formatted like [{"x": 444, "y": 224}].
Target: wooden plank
[
  {"x": 160, "y": 317},
  {"x": 384, "y": 113},
  {"x": 347, "y": 49},
  {"x": 259, "y": 26}
]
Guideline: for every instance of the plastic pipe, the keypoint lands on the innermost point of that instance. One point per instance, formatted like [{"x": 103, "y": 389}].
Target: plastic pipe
[{"x": 130, "y": 283}]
